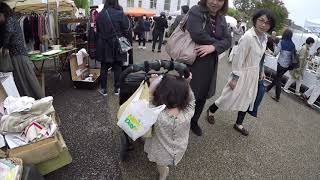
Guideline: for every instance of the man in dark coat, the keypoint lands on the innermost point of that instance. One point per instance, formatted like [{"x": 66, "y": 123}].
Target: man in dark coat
[
  {"x": 111, "y": 23},
  {"x": 160, "y": 24}
]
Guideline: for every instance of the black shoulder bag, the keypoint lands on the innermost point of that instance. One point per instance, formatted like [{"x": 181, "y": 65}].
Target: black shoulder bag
[
  {"x": 294, "y": 60},
  {"x": 123, "y": 44}
]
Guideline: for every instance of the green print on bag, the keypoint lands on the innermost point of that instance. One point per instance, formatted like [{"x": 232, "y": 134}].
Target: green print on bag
[{"x": 132, "y": 122}]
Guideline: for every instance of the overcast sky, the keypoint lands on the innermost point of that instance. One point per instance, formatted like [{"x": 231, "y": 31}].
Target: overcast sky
[{"x": 300, "y": 10}]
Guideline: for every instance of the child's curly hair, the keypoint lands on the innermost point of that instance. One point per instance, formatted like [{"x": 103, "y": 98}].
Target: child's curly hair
[{"x": 173, "y": 91}]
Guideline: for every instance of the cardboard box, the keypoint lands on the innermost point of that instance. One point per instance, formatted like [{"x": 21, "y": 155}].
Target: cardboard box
[
  {"x": 81, "y": 71},
  {"x": 51, "y": 165},
  {"x": 40, "y": 151}
]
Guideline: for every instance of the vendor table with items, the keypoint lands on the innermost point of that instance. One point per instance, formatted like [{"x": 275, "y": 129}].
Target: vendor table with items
[{"x": 60, "y": 58}]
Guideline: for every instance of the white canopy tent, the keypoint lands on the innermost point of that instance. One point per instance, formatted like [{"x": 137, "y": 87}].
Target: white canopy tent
[
  {"x": 313, "y": 25},
  {"x": 39, "y": 5}
]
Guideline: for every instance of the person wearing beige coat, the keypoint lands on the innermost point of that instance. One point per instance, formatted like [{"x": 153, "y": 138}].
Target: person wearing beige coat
[{"x": 240, "y": 92}]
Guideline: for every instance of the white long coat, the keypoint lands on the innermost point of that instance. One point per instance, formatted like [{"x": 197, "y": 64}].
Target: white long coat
[{"x": 245, "y": 65}]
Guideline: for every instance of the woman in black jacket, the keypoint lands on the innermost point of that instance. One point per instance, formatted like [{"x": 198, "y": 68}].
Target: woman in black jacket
[
  {"x": 208, "y": 28},
  {"x": 111, "y": 23}
]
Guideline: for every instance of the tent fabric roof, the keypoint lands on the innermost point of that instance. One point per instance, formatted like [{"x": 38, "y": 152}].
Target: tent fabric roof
[
  {"x": 37, "y": 5},
  {"x": 139, "y": 12},
  {"x": 313, "y": 25}
]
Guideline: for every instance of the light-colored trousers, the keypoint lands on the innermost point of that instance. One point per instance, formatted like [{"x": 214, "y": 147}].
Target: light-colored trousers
[
  {"x": 291, "y": 81},
  {"x": 313, "y": 92}
]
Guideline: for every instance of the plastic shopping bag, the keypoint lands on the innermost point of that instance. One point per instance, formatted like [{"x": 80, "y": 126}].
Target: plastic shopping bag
[
  {"x": 144, "y": 93},
  {"x": 137, "y": 117}
]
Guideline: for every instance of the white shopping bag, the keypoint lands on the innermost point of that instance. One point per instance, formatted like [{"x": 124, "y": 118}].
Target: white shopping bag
[{"x": 138, "y": 117}]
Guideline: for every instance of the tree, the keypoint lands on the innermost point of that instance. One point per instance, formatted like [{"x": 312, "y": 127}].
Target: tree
[
  {"x": 244, "y": 5},
  {"x": 234, "y": 13},
  {"x": 247, "y": 7},
  {"x": 84, "y": 4}
]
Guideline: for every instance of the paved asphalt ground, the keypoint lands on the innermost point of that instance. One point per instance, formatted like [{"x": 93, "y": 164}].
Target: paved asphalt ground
[{"x": 284, "y": 141}]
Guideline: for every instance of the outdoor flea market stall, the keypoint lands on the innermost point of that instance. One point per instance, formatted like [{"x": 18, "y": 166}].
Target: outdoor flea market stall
[{"x": 29, "y": 129}]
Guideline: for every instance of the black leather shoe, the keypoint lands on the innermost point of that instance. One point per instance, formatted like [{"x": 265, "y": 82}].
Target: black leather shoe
[
  {"x": 275, "y": 99},
  {"x": 196, "y": 129},
  {"x": 243, "y": 131}
]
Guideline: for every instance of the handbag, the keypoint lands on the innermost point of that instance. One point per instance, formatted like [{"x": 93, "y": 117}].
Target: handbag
[
  {"x": 124, "y": 44},
  {"x": 5, "y": 61},
  {"x": 180, "y": 47},
  {"x": 294, "y": 61}
]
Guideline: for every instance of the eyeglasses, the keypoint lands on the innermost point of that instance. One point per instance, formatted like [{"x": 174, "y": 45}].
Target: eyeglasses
[{"x": 267, "y": 23}]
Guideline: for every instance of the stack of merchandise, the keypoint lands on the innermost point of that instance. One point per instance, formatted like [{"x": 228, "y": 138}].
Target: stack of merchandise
[
  {"x": 10, "y": 169},
  {"x": 25, "y": 120}
]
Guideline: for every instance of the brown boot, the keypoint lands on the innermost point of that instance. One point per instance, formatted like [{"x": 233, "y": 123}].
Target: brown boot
[{"x": 210, "y": 118}]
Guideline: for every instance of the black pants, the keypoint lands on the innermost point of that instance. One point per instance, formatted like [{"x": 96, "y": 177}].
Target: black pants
[
  {"x": 157, "y": 35},
  {"x": 116, "y": 68},
  {"x": 142, "y": 38},
  {"x": 277, "y": 80},
  {"x": 241, "y": 115},
  {"x": 198, "y": 110}
]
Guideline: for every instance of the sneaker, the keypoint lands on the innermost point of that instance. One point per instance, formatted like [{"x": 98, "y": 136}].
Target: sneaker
[
  {"x": 196, "y": 129},
  {"x": 117, "y": 92},
  {"x": 286, "y": 90},
  {"x": 297, "y": 93},
  {"x": 152, "y": 50},
  {"x": 159, "y": 51},
  {"x": 103, "y": 92},
  {"x": 143, "y": 47}
]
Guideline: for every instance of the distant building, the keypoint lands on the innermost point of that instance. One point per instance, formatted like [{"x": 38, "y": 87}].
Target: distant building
[{"x": 157, "y": 6}]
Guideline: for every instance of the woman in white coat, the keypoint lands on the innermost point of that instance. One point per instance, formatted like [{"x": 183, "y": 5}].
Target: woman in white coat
[{"x": 240, "y": 93}]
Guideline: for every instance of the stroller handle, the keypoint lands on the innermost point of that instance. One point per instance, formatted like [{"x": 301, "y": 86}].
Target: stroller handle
[{"x": 156, "y": 65}]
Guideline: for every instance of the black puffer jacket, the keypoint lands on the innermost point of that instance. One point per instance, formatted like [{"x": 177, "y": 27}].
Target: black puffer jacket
[{"x": 161, "y": 23}]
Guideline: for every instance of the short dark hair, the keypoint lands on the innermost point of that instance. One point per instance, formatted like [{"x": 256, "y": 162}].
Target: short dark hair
[
  {"x": 309, "y": 40},
  {"x": 268, "y": 13},
  {"x": 223, "y": 10},
  {"x": 173, "y": 91},
  {"x": 185, "y": 9},
  {"x": 112, "y": 4},
  {"x": 5, "y": 9},
  {"x": 287, "y": 34}
]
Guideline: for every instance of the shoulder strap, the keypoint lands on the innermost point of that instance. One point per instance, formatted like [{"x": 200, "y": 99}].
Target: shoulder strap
[
  {"x": 183, "y": 23},
  {"x": 114, "y": 30}
]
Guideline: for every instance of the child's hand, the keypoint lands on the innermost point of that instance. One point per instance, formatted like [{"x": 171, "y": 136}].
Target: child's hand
[
  {"x": 189, "y": 78},
  {"x": 154, "y": 82},
  {"x": 153, "y": 77}
]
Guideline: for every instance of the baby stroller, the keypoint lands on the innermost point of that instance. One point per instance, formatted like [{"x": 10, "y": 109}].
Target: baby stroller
[{"x": 130, "y": 80}]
